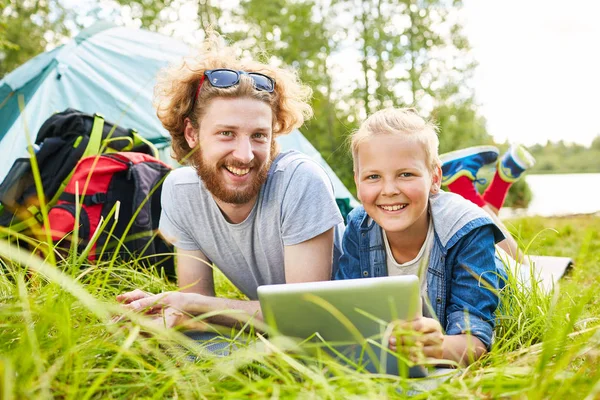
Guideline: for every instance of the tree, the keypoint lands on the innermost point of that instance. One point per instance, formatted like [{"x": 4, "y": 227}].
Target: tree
[
  {"x": 304, "y": 35},
  {"x": 460, "y": 126},
  {"x": 27, "y": 28}
]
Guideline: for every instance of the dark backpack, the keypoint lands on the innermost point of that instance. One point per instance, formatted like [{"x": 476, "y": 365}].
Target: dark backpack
[
  {"x": 117, "y": 200},
  {"x": 62, "y": 141}
]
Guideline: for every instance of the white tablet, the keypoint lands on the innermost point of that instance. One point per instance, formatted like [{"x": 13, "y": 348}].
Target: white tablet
[
  {"x": 344, "y": 314},
  {"x": 301, "y": 309}
]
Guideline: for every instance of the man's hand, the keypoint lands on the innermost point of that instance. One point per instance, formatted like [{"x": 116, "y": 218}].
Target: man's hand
[
  {"x": 168, "y": 309},
  {"x": 419, "y": 338},
  {"x": 128, "y": 297}
]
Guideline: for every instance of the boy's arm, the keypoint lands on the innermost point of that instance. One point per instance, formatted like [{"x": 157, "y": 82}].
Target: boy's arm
[
  {"x": 429, "y": 341},
  {"x": 474, "y": 287},
  {"x": 464, "y": 349}
]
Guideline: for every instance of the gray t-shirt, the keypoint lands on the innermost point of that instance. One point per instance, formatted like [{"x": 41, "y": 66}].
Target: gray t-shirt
[{"x": 295, "y": 204}]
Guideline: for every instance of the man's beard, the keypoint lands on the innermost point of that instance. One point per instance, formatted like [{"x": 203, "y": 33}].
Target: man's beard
[{"x": 212, "y": 179}]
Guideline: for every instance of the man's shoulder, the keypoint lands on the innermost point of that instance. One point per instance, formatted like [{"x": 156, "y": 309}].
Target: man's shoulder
[
  {"x": 294, "y": 165},
  {"x": 182, "y": 176},
  {"x": 290, "y": 160}
]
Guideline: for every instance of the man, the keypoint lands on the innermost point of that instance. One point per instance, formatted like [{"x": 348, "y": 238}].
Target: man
[{"x": 260, "y": 216}]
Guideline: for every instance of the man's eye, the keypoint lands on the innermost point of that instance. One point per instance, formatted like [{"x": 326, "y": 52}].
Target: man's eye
[{"x": 226, "y": 133}]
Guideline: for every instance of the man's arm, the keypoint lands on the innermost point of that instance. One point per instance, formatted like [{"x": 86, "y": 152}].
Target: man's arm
[
  {"x": 194, "y": 272},
  {"x": 304, "y": 262},
  {"x": 195, "y": 276},
  {"x": 311, "y": 260}
]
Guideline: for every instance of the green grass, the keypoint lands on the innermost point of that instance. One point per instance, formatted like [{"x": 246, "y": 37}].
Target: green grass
[{"x": 57, "y": 338}]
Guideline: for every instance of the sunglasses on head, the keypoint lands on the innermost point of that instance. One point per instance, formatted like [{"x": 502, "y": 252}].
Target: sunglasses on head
[{"x": 224, "y": 78}]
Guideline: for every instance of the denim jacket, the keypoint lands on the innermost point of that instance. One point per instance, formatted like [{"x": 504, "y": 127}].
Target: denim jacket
[{"x": 462, "y": 256}]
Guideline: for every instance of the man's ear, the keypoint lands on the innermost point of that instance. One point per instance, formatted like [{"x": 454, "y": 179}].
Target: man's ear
[{"x": 190, "y": 133}]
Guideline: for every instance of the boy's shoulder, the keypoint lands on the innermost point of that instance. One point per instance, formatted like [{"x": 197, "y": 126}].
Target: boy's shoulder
[
  {"x": 357, "y": 216},
  {"x": 454, "y": 217}
]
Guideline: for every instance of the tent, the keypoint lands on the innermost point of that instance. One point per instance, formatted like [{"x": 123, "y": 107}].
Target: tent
[{"x": 110, "y": 70}]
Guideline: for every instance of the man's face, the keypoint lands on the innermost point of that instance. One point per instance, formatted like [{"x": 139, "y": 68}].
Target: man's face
[{"x": 236, "y": 148}]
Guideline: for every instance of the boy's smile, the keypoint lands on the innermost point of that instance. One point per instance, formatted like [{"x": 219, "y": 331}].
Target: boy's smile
[
  {"x": 392, "y": 207},
  {"x": 394, "y": 181}
]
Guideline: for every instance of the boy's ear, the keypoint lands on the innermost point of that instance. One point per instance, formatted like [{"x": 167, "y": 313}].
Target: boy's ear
[
  {"x": 436, "y": 180},
  {"x": 191, "y": 135}
]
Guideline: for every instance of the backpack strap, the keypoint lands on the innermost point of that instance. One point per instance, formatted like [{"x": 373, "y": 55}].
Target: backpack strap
[
  {"x": 139, "y": 139},
  {"x": 92, "y": 149},
  {"x": 89, "y": 200},
  {"x": 93, "y": 146}
]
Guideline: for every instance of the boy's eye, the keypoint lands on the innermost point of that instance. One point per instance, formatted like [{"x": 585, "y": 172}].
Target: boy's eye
[
  {"x": 226, "y": 133},
  {"x": 406, "y": 174},
  {"x": 372, "y": 176}
]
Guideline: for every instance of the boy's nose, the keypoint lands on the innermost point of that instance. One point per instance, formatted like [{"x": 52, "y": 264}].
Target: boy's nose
[{"x": 390, "y": 189}]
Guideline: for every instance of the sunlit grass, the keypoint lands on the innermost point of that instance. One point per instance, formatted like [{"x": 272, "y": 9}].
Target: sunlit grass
[{"x": 57, "y": 338}]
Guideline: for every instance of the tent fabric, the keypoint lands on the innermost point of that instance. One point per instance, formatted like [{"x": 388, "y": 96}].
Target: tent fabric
[{"x": 109, "y": 70}]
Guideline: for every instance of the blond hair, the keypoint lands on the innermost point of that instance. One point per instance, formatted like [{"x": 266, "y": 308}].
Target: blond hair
[
  {"x": 177, "y": 85},
  {"x": 399, "y": 121}
]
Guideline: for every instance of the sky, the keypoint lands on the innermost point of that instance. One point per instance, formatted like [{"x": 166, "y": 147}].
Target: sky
[{"x": 538, "y": 77}]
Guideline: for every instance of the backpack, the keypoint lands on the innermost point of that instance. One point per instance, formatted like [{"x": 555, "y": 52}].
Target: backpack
[
  {"x": 61, "y": 142},
  {"x": 116, "y": 199}
]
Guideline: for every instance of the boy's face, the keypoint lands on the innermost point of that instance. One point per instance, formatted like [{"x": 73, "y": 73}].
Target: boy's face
[
  {"x": 393, "y": 181},
  {"x": 235, "y": 150}
]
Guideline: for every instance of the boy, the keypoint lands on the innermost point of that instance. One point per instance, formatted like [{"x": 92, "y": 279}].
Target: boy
[{"x": 408, "y": 226}]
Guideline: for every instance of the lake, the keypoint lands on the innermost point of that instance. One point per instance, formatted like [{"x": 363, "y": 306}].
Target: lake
[{"x": 556, "y": 195}]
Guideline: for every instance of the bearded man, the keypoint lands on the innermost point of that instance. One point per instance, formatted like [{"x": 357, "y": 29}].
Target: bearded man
[{"x": 260, "y": 216}]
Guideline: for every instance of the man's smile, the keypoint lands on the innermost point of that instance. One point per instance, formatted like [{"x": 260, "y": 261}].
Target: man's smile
[{"x": 237, "y": 171}]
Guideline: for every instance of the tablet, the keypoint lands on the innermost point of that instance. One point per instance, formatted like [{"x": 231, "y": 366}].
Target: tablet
[{"x": 343, "y": 313}]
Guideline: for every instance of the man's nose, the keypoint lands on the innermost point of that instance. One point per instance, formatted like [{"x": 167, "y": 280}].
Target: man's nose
[{"x": 243, "y": 150}]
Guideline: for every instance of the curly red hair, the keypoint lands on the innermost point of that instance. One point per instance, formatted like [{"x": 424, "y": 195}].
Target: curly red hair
[{"x": 177, "y": 85}]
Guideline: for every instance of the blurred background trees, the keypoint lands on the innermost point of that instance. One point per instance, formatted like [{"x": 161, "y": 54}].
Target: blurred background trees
[{"x": 357, "y": 55}]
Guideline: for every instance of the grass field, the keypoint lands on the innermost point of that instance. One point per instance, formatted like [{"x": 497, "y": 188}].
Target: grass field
[{"x": 57, "y": 338}]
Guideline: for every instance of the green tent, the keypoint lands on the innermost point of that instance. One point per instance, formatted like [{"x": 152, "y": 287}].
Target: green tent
[{"x": 109, "y": 70}]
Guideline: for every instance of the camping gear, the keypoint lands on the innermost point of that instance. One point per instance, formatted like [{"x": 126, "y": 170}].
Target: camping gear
[
  {"x": 110, "y": 70},
  {"x": 62, "y": 141},
  {"x": 112, "y": 201}
]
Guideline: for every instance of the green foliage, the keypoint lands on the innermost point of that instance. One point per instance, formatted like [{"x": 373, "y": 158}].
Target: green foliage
[
  {"x": 148, "y": 13},
  {"x": 26, "y": 28},
  {"x": 58, "y": 338},
  {"x": 460, "y": 126},
  {"x": 562, "y": 158},
  {"x": 412, "y": 53}
]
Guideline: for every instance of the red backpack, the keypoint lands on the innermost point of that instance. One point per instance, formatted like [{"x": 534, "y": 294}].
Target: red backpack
[{"x": 119, "y": 203}]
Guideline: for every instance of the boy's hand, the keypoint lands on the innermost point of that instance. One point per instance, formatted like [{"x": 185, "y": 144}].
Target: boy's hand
[{"x": 420, "y": 337}]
